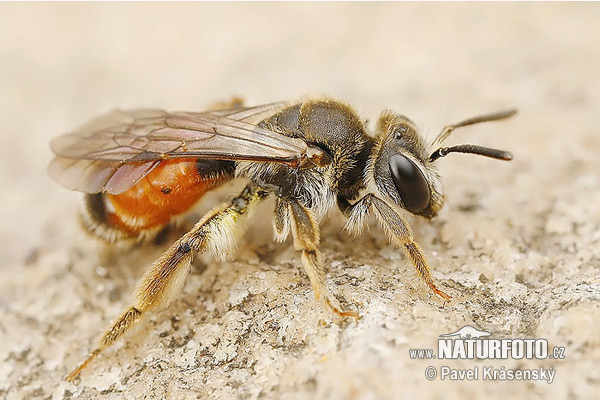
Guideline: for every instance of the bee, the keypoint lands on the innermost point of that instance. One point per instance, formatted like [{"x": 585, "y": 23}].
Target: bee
[{"x": 141, "y": 169}]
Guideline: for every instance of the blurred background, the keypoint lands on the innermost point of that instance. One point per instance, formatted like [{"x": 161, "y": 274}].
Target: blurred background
[{"x": 438, "y": 63}]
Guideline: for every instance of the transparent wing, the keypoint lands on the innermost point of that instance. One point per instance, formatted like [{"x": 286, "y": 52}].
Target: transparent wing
[{"x": 114, "y": 151}]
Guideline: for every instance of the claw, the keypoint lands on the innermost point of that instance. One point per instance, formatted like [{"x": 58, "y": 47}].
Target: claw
[
  {"x": 342, "y": 313},
  {"x": 443, "y": 295}
]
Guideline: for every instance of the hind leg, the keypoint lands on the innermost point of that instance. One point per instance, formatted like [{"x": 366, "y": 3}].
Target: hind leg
[{"x": 163, "y": 281}]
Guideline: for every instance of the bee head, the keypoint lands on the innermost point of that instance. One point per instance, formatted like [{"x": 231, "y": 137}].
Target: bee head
[{"x": 403, "y": 165}]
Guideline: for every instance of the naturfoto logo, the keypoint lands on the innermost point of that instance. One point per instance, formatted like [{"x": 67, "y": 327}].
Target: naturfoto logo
[{"x": 468, "y": 344}]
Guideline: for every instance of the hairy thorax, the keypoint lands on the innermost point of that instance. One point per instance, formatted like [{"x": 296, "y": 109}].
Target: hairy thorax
[{"x": 331, "y": 126}]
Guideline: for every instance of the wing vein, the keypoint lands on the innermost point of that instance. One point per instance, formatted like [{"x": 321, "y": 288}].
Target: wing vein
[{"x": 150, "y": 135}]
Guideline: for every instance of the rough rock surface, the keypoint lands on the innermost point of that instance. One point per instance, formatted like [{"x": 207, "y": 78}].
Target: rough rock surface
[{"x": 517, "y": 244}]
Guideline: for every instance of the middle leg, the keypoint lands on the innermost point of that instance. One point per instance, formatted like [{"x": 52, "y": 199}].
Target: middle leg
[{"x": 305, "y": 231}]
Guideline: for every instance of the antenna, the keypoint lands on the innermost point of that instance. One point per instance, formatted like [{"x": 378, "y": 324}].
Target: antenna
[
  {"x": 471, "y": 121},
  {"x": 472, "y": 148}
]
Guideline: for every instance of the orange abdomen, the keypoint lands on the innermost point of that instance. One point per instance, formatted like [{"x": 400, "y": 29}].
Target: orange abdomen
[{"x": 170, "y": 189}]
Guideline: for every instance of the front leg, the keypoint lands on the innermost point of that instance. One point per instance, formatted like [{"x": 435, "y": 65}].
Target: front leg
[
  {"x": 305, "y": 231},
  {"x": 397, "y": 229},
  {"x": 216, "y": 232}
]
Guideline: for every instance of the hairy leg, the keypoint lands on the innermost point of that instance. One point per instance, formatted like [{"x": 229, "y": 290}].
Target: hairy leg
[
  {"x": 164, "y": 279},
  {"x": 397, "y": 229},
  {"x": 305, "y": 231}
]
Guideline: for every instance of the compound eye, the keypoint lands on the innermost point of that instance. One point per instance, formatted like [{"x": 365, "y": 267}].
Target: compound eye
[{"x": 410, "y": 182}]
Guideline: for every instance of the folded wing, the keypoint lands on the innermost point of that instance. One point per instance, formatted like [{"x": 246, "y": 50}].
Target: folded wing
[{"x": 114, "y": 151}]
